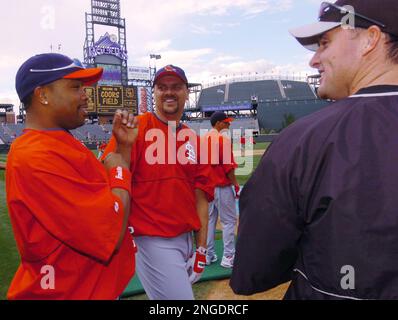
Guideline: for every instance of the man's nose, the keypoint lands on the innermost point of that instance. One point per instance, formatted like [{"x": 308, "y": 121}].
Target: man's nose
[{"x": 315, "y": 61}]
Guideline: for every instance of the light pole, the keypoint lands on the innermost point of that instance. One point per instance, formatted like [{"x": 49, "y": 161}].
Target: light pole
[{"x": 152, "y": 72}]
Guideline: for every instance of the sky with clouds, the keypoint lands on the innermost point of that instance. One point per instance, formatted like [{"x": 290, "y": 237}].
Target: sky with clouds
[{"x": 208, "y": 38}]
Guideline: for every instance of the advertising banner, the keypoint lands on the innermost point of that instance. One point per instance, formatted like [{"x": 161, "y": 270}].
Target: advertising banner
[
  {"x": 139, "y": 73},
  {"x": 130, "y": 99},
  {"x": 144, "y": 100}
]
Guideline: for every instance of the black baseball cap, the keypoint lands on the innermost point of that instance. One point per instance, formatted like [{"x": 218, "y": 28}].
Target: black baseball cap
[
  {"x": 45, "y": 68},
  {"x": 220, "y": 116},
  {"x": 171, "y": 70},
  {"x": 364, "y": 13}
]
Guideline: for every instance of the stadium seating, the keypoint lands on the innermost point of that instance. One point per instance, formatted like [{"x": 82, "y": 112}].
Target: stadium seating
[
  {"x": 275, "y": 100},
  {"x": 86, "y": 133},
  {"x": 202, "y": 126},
  {"x": 271, "y": 115},
  {"x": 264, "y": 90},
  {"x": 295, "y": 90},
  {"x": 241, "y": 92},
  {"x": 213, "y": 95},
  {"x": 8, "y": 134},
  {"x": 92, "y": 133}
]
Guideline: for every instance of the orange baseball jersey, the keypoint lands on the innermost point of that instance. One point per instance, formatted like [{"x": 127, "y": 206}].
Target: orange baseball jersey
[
  {"x": 220, "y": 155},
  {"x": 66, "y": 221},
  {"x": 163, "y": 202}
]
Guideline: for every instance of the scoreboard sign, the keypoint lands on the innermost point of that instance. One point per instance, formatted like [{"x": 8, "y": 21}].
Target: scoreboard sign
[
  {"x": 106, "y": 12},
  {"x": 110, "y": 98},
  {"x": 130, "y": 99},
  {"x": 92, "y": 99}
]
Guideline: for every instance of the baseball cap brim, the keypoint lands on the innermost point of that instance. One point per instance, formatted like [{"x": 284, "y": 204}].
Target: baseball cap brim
[
  {"x": 308, "y": 35},
  {"x": 88, "y": 76},
  {"x": 229, "y": 120}
]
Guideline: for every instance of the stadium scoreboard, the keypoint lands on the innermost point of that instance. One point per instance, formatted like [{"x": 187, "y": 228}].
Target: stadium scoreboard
[
  {"x": 105, "y": 100},
  {"x": 109, "y": 98}
]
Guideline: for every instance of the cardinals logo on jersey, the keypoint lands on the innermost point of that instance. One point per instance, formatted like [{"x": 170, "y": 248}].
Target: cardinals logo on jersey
[{"x": 191, "y": 154}]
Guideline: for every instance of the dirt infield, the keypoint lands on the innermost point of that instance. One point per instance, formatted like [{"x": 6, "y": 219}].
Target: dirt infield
[{"x": 221, "y": 291}]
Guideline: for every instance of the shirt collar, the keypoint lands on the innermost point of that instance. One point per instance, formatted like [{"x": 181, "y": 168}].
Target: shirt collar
[
  {"x": 377, "y": 89},
  {"x": 157, "y": 117}
]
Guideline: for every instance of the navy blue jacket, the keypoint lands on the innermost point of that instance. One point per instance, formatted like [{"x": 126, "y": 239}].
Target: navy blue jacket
[{"x": 323, "y": 199}]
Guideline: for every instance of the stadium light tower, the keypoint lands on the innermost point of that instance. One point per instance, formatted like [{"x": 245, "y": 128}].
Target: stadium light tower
[{"x": 153, "y": 70}]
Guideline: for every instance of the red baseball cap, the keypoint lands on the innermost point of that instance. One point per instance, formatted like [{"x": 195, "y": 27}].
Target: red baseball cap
[
  {"x": 220, "y": 116},
  {"x": 171, "y": 70}
]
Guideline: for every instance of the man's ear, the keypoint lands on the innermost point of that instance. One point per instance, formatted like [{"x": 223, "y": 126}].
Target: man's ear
[
  {"x": 372, "y": 37},
  {"x": 41, "y": 94}
]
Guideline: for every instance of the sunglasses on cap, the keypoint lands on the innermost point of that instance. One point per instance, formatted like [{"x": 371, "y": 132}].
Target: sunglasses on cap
[
  {"x": 327, "y": 7},
  {"x": 75, "y": 64}
]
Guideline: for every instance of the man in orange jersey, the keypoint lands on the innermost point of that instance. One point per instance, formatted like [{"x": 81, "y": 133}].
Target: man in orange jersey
[
  {"x": 68, "y": 211},
  {"x": 171, "y": 193},
  {"x": 226, "y": 192}
]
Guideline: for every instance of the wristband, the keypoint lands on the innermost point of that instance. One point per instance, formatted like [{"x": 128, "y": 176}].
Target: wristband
[
  {"x": 200, "y": 260},
  {"x": 237, "y": 189},
  {"x": 120, "y": 178}
]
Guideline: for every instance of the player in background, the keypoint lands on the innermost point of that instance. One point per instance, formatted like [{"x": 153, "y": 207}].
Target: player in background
[
  {"x": 69, "y": 212},
  {"x": 101, "y": 149},
  {"x": 171, "y": 194},
  {"x": 226, "y": 191}
]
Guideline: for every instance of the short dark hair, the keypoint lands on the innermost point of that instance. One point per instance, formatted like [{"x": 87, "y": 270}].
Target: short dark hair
[
  {"x": 392, "y": 48},
  {"x": 27, "y": 101}
]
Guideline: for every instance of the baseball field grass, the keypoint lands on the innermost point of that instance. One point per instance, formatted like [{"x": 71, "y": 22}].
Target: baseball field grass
[{"x": 9, "y": 257}]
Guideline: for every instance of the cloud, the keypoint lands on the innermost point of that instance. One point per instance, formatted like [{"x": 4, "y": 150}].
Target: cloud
[
  {"x": 157, "y": 17},
  {"x": 204, "y": 30},
  {"x": 10, "y": 61},
  {"x": 157, "y": 46},
  {"x": 269, "y": 6}
]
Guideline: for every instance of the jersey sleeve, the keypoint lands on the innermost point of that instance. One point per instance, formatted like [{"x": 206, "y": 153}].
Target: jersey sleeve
[
  {"x": 270, "y": 226},
  {"x": 204, "y": 181},
  {"x": 204, "y": 173},
  {"x": 110, "y": 147},
  {"x": 75, "y": 207},
  {"x": 227, "y": 159}
]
